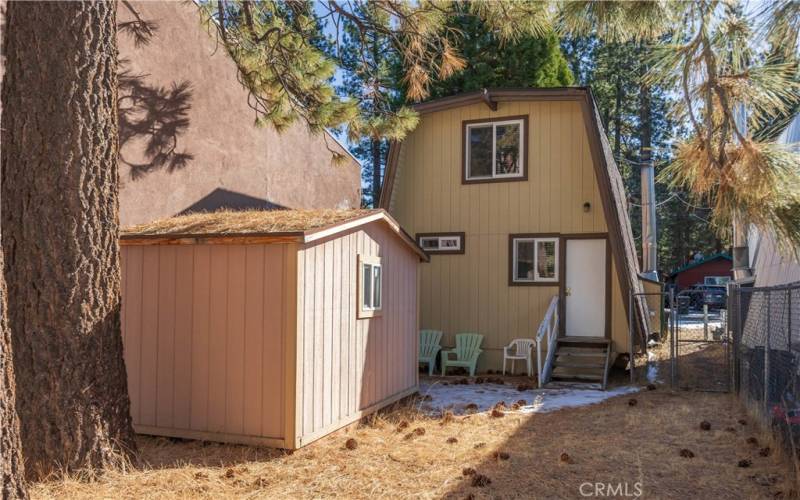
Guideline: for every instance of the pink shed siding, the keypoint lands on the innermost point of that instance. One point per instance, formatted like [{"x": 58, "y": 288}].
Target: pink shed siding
[
  {"x": 349, "y": 366},
  {"x": 204, "y": 339}
]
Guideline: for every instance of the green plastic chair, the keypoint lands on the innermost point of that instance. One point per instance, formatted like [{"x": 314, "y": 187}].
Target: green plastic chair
[
  {"x": 429, "y": 347},
  {"x": 468, "y": 348}
]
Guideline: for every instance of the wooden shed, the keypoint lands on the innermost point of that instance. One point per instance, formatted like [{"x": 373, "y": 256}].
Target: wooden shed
[{"x": 267, "y": 327}]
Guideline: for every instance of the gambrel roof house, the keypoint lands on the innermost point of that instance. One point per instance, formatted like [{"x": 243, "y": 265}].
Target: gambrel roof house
[
  {"x": 188, "y": 141},
  {"x": 516, "y": 196}
]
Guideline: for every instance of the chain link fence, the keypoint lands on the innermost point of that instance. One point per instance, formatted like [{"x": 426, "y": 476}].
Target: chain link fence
[
  {"x": 765, "y": 323},
  {"x": 702, "y": 348}
]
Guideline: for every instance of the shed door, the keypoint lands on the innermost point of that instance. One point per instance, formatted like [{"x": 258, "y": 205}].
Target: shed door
[{"x": 585, "y": 293}]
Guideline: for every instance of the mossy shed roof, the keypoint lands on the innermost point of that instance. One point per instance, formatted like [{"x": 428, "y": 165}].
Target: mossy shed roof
[{"x": 254, "y": 226}]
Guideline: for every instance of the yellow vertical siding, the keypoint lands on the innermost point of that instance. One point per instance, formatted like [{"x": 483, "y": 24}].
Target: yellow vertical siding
[{"x": 470, "y": 292}]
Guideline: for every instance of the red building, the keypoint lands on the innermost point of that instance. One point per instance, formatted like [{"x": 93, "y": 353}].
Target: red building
[{"x": 697, "y": 270}]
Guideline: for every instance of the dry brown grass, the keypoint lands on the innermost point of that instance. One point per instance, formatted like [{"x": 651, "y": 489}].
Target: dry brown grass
[
  {"x": 701, "y": 365},
  {"x": 609, "y": 442},
  {"x": 245, "y": 222}
]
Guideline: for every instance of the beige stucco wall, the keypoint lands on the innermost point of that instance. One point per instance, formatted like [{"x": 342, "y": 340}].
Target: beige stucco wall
[
  {"x": 348, "y": 366},
  {"x": 470, "y": 292},
  {"x": 191, "y": 105},
  {"x": 204, "y": 333}
]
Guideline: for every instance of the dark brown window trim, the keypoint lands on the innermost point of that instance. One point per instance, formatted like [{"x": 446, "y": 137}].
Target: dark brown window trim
[
  {"x": 525, "y": 149},
  {"x": 461, "y": 235},
  {"x": 511, "y": 238}
]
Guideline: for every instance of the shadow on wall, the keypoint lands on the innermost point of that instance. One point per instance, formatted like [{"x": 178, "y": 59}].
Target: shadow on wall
[
  {"x": 151, "y": 118},
  {"x": 220, "y": 199}
]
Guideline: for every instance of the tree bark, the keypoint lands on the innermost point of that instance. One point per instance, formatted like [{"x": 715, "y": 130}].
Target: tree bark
[
  {"x": 12, "y": 470},
  {"x": 222, "y": 27},
  {"x": 11, "y": 465},
  {"x": 618, "y": 120},
  {"x": 60, "y": 204}
]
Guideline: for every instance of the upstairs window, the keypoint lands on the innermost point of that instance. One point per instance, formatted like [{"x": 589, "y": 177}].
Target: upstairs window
[
  {"x": 445, "y": 243},
  {"x": 495, "y": 150},
  {"x": 534, "y": 260},
  {"x": 370, "y": 286}
]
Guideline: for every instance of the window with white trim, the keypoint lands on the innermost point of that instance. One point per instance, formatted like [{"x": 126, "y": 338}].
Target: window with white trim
[
  {"x": 370, "y": 286},
  {"x": 494, "y": 150},
  {"x": 441, "y": 243},
  {"x": 534, "y": 260}
]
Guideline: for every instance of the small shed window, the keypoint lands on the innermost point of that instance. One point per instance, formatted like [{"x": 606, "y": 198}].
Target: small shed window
[
  {"x": 447, "y": 243},
  {"x": 370, "y": 281},
  {"x": 534, "y": 260},
  {"x": 495, "y": 150}
]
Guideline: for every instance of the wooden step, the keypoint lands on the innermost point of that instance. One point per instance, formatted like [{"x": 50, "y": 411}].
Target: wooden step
[
  {"x": 581, "y": 360},
  {"x": 590, "y": 342},
  {"x": 580, "y": 363},
  {"x": 588, "y": 376},
  {"x": 569, "y": 370},
  {"x": 581, "y": 352}
]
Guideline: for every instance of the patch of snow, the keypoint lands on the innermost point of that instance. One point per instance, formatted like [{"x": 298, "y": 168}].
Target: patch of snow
[
  {"x": 652, "y": 369},
  {"x": 486, "y": 396},
  {"x": 695, "y": 320}
]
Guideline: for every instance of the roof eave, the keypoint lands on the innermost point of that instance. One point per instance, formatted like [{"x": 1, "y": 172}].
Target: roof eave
[
  {"x": 308, "y": 236},
  {"x": 500, "y": 95}
]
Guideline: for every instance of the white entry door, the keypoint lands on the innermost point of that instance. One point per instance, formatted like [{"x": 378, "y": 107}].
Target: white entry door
[{"x": 585, "y": 293}]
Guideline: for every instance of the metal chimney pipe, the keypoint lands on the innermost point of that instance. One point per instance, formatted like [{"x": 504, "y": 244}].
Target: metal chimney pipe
[
  {"x": 649, "y": 241},
  {"x": 741, "y": 252}
]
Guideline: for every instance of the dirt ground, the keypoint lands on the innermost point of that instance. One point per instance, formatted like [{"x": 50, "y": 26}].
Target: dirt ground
[
  {"x": 702, "y": 361},
  {"x": 653, "y": 438}
]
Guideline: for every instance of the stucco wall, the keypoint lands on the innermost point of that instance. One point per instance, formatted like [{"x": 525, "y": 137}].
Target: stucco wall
[{"x": 187, "y": 134}]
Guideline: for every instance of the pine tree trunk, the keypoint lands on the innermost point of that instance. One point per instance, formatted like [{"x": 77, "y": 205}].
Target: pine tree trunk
[
  {"x": 11, "y": 465},
  {"x": 60, "y": 204},
  {"x": 12, "y": 483},
  {"x": 618, "y": 120},
  {"x": 375, "y": 146}
]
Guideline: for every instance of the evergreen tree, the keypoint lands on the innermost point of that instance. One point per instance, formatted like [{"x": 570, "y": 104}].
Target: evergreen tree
[
  {"x": 60, "y": 210},
  {"x": 289, "y": 76},
  {"x": 492, "y": 61},
  {"x": 376, "y": 80},
  {"x": 614, "y": 71},
  {"x": 367, "y": 78},
  {"x": 708, "y": 53}
]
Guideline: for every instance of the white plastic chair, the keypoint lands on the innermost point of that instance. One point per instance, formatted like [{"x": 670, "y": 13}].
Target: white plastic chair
[{"x": 519, "y": 349}]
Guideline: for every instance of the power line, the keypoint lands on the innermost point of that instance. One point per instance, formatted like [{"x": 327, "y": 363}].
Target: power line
[{"x": 671, "y": 197}]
